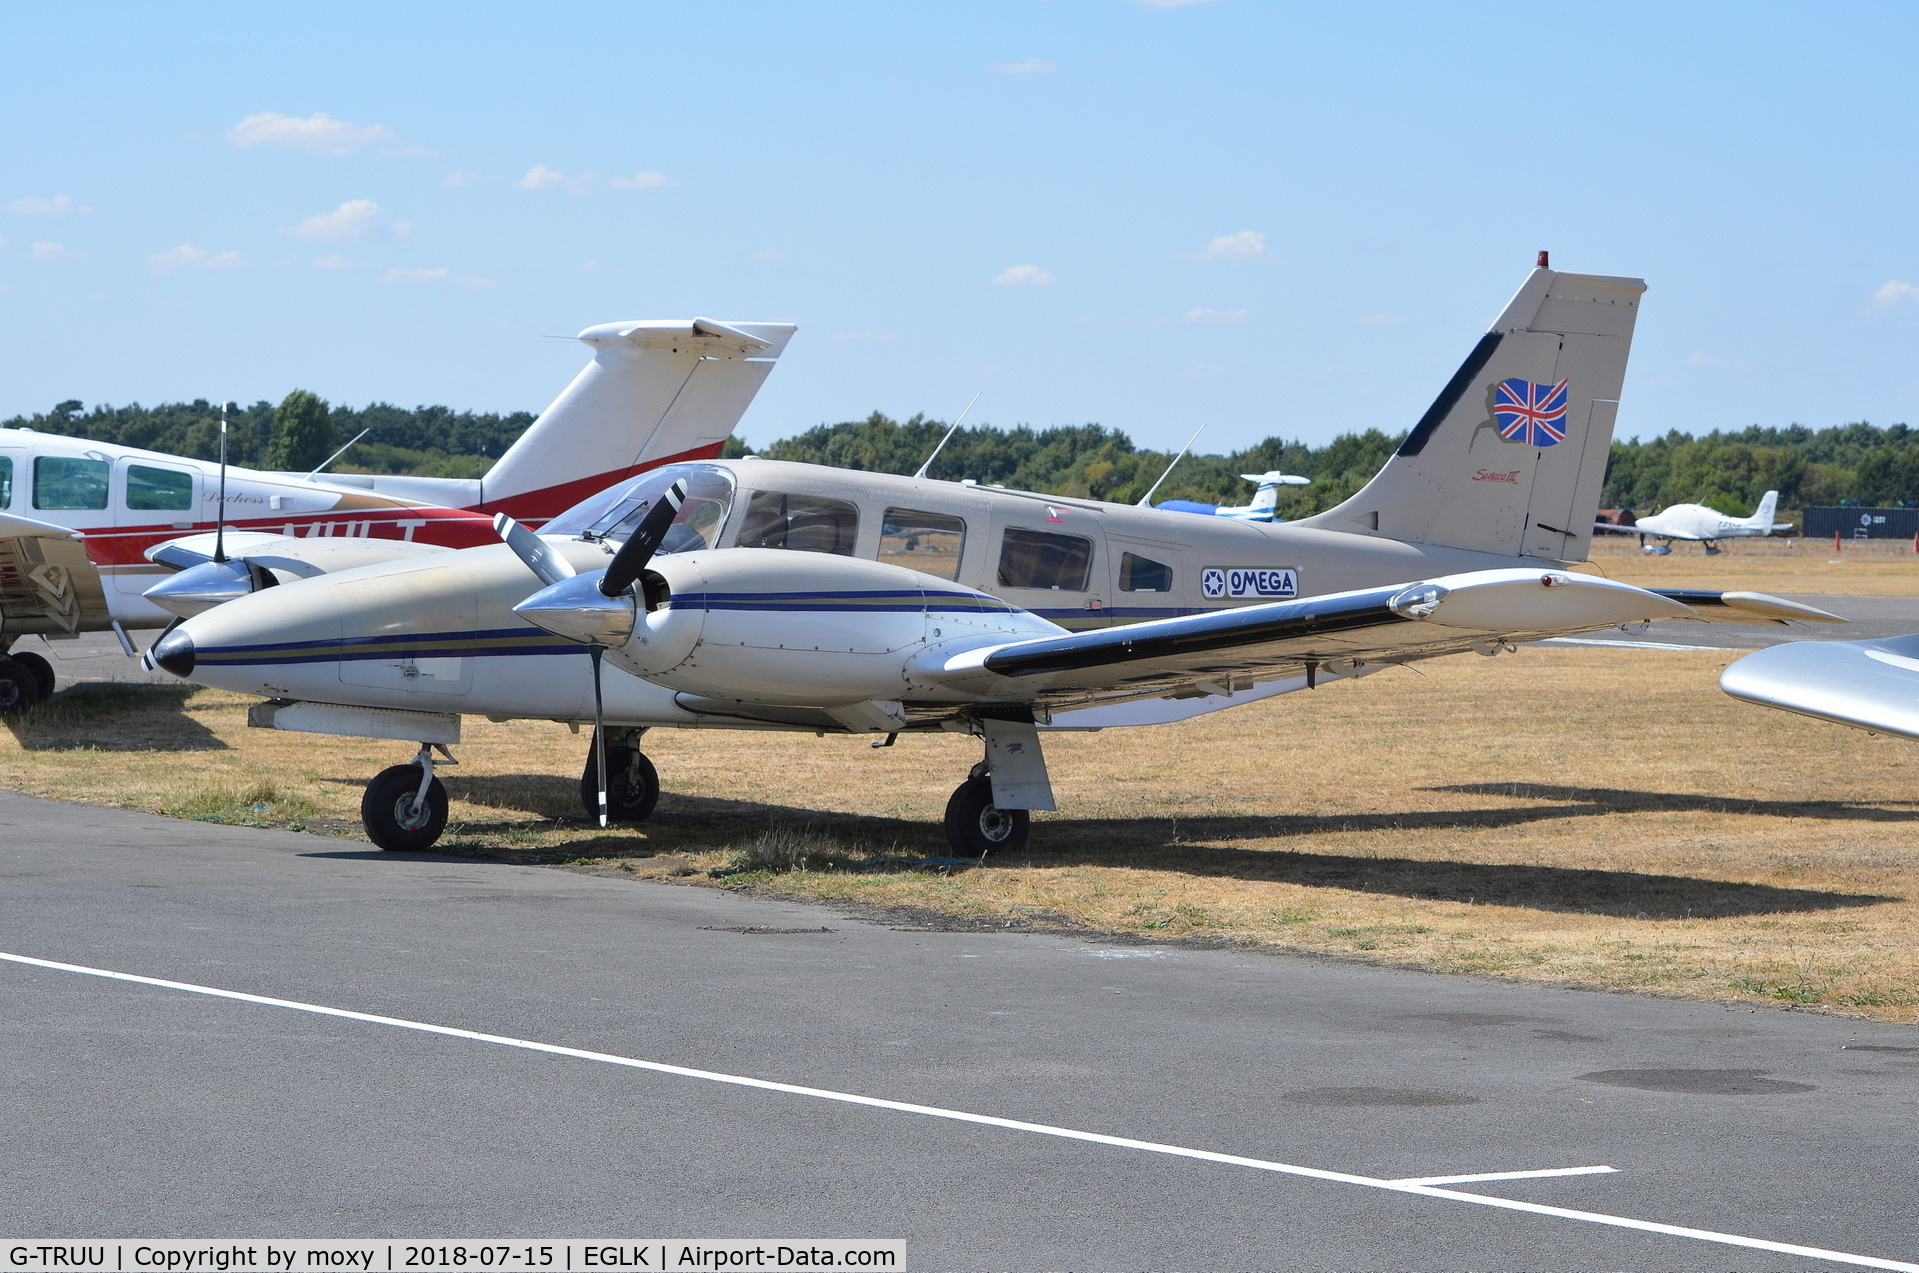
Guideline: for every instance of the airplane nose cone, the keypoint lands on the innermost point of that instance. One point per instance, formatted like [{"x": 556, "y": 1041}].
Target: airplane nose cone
[
  {"x": 201, "y": 587},
  {"x": 174, "y": 652}
]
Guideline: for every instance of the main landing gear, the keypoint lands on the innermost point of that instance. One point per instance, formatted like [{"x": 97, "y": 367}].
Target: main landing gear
[
  {"x": 404, "y": 808},
  {"x": 991, "y": 811},
  {"x": 25, "y": 679},
  {"x": 632, "y": 784}
]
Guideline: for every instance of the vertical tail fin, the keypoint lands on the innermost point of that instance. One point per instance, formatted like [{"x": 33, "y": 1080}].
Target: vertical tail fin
[
  {"x": 655, "y": 392},
  {"x": 1768, "y": 506},
  {"x": 1511, "y": 455}
]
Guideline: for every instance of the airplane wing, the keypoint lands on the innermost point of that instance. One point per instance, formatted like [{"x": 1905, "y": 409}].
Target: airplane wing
[
  {"x": 47, "y": 582},
  {"x": 1866, "y": 684},
  {"x": 1340, "y": 634},
  {"x": 1745, "y": 607}
]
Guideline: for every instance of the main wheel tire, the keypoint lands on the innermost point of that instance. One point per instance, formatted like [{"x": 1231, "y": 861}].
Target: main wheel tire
[
  {"x": 975, "y": 827},
  {"x": 632, "y": 785},
  {"x": 41, "y": 669},
  {"x": 19, "y": 687},
  {"x": 388, "y": 813}
]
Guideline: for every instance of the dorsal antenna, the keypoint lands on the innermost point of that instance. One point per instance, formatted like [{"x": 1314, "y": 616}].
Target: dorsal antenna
[
  {"x": 943, "y": 441},
  {"x": 1143, "y": 500},
  {"x": 337, "y": 454}
]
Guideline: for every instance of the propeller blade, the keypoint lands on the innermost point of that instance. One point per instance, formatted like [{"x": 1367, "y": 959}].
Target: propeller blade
[
  {"x": 539, "y": 556},
  {"x": 599, "y": 728},
  {"x": 642, "y": 543}
]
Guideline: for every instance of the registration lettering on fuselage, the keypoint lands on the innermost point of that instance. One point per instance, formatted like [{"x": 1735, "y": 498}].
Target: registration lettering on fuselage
[{"x": 1222, "y": 581}]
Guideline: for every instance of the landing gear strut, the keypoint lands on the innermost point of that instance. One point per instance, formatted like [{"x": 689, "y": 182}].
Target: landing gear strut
[
  {"x": 989, "y": 812},
  {"x": 632, "y": 784},
  {"x": 404, "y": 808}
]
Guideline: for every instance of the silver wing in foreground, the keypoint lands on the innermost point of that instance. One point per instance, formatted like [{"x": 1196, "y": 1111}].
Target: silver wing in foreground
[{"x": 1871, "y": 685}]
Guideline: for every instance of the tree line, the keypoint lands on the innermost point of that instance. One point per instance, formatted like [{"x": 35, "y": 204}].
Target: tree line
[{"x": 1727, "y": 470}]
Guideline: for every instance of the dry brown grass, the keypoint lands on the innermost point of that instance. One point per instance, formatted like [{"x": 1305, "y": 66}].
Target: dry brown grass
[
  {"x": 1873, "y": 568},
  {"x": 1585, "y": 815}
]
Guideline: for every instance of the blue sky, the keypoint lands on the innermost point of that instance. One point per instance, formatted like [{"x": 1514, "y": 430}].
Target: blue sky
[{"x": 1265, "y": 218}]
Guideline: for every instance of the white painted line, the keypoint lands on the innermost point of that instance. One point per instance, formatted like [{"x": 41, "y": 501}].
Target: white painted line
[
  {"x": 1503, "y": 1175},
  {"x": 987, "y": 1120},
  {"x": 1632, "y": 645}
]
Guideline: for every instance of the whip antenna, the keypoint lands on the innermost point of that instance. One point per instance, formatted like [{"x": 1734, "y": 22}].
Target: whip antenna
[
  {"x": 1170, "y": 467},
  {"x": 337, "y": 454},
  {"x": 943, "y": 441},
  {"x": 220, "y": 527}
]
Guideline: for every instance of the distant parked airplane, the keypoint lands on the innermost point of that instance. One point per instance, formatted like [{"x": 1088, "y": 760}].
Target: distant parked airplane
[
  {"x": 1265, "y": 499},
  {"x": 1701, "y": 524}
]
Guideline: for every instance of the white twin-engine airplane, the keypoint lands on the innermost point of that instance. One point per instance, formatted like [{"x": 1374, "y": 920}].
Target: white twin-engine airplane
[
  {"x": 754, "y": 594},
  {"x": 89, "y": 531},
  {"x": 1699, "y": 523}
]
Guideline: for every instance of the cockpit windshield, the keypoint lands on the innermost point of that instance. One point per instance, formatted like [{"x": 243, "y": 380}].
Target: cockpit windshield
[{"x": 615, "y": 512}]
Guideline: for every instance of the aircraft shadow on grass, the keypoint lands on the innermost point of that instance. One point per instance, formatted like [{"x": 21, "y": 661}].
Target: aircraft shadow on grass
[
  {"x": 114, "y": 716},
  {"x": 1192, "y": 845}
]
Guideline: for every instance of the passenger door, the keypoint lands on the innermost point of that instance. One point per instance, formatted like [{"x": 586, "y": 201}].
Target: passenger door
[
  {"x": 1149, "y": 580},
  {"x": 1051, "y": 560},
  {"x": 152, "y": 502}
]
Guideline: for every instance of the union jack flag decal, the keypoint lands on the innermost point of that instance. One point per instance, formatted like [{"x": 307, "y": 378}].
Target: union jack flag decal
[{"x": 1531, "y": 414}]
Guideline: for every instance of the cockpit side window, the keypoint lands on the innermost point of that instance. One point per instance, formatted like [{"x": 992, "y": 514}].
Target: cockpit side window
[
  {"x": 1041, "y": 559},
  {"x": 930, "y": 543},
  {"x": 804, "y": 523}
]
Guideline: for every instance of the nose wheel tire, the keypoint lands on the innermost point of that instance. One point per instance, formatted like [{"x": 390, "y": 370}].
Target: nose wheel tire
[
  {"x": 632, "y": 785},
  {"x": 19, "y": 687},
  {"x": 975, "y": 827},
  {"x": 391, "y": 816},
  {"x": 41, "y": 669}
]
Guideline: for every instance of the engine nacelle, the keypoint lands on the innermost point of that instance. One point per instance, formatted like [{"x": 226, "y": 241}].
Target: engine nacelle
[{"x": 764, "y": 625}]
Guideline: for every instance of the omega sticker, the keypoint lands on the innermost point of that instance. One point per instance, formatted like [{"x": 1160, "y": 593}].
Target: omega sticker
[{"x": 1246, "y": 581}]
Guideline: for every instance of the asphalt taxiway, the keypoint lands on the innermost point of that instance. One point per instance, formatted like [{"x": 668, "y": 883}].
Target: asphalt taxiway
[{"x": 1146, "y": 1107}]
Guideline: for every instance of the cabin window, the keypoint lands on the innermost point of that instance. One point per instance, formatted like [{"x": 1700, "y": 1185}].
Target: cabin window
[
  {"x": 69, "y": 482},
  {"x": 1143, "y": 574},
  {"x": 167, "y": 490},
  {"x": 6, "y": 481},
  {"x": 804, "y": 523},
  {"x": 1038, "y": 559},
  {"x": 927, "y": 542}
]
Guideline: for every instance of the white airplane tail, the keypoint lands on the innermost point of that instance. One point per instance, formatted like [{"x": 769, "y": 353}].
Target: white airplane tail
[
  {"x": 656, "y": 392},
  {"x": 1511, "y": 455},
  {"x": 1762, "y": 519},
  {"x": 1266, "y": 497}
]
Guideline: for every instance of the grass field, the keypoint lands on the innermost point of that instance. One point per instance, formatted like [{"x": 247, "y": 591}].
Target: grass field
[
  {"x": 1872, "y": 568},
  {"x": 1584, "y": 815}
]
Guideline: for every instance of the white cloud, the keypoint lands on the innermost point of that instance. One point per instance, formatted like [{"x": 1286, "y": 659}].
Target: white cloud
[
  {"x": 47, "y": 250},
  {"x": 1247, "y": 245},
  {"x": 1031, "y": 66},
  {"x": 1895, "y": 294},
  {"x": 769, "y": 254},
  {"x": 334, "y": 262},
  {"x": 354, "y": 219},
  {"x": 463, "y": 177},
  {"x": 436, "y": 274},
  {"x": 318, "y": 132},
  {"x": 593, "y": 265},
  {"x": 541, "y": 177},
  {"x": 1015, "y": 276},
  {"x": 642, "y": 181},
  {"x": 1213, "y": 316},
  {"x": 188, "y": 257},
  {"x": 58, "y": 206},
  {"x": 3, "y": 241}
]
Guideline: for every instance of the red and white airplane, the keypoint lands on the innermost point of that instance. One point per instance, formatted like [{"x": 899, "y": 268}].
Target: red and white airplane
[{"x": 92, "y": 534}]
